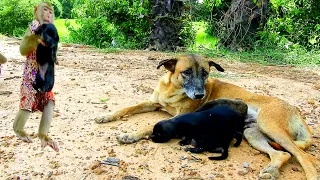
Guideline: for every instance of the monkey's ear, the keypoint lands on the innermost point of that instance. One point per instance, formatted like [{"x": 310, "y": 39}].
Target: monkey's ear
[
  {"x": 169, "y": 64},
  {"x": 217, "y": 66}
]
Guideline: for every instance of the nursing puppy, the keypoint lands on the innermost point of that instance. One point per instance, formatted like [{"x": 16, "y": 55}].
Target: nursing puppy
[
  {"x": 213, "y": 130},
  {"x": 46, "y": 57}
]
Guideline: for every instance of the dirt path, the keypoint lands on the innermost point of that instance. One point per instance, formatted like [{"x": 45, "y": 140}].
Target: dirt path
[{"x": 86, "y": 75}]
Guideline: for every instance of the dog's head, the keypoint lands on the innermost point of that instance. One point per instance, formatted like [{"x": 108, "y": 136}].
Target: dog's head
[
  {"x": 49, "y": 34},
  {"x": 190, "y": 72},
  {"x": 163, "y": 131}
]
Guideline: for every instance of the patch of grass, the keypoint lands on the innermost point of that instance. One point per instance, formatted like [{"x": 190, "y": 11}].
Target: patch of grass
[
  {"x": 207, "y": 45},
  {"x": 202, "y": 38},
  {"x": 217, "y": 75},
  {"x": 62, "y": 29}
]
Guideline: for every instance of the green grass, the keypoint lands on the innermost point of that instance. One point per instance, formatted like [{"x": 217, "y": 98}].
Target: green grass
[
  {"x": 202, "y": 38},
  {"x": 206, "y": 44},
  {"x": 62, "y": 29}
]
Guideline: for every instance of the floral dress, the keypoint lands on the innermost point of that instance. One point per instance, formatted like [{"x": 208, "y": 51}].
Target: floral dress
[{"x": 30, "y": 99}]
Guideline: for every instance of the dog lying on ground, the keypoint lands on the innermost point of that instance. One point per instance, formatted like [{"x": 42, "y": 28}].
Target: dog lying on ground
[
  {"x": 46, "y": 57},
  {"x": 212, "y": 128},
  {"x": 187, "y": 86}
]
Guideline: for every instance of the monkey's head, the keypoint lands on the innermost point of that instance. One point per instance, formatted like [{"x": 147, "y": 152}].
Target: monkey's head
[
  {"x": 163, "y": 131},
  {"x": 44, "y": 13},
  {"x": 49, "y": 34}
]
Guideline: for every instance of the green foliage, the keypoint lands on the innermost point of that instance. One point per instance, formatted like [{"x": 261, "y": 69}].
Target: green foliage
[
  {"x": 67, "y": 6},
  {"x": 62, "y": 29},
  {"x": 293, "y": 23},
  {"x": 15, "y": 16},
  {"x": 103, "y": 21}
]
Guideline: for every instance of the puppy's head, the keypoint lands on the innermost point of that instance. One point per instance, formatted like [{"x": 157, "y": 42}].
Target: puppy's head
[
  {"x": 49, "y": 35},
  {"x": 163, "y": 131},
  {"x": 190, "y": 72}
]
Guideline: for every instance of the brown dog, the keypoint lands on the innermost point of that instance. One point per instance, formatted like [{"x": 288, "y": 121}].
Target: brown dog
[{"x": 186, "y": 87}]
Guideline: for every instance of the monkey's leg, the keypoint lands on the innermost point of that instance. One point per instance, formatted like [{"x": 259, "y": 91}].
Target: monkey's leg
[
  {"x": 19, "y": 123},
  {"x": 45, "y": 123}
]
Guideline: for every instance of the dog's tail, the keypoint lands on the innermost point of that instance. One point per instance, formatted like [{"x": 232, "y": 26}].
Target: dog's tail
[{"x": 222, "y": 157}]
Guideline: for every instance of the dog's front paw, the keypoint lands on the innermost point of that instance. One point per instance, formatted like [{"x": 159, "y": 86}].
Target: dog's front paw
[
  {"x": 269, "y": 172},
  {"x": 102, "y": 119},
  {"x": 127, "y": 138}
]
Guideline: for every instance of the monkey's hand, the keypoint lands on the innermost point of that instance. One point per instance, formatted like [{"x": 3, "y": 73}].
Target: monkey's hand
[
  {"x": 42, "y": 42},
  {"x": 46, "y": 141}
]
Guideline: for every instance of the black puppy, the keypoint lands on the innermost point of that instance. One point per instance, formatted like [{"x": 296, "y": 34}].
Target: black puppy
[
  {"x": 213, "y": 129},
  {"x": 46, "y": 57}
]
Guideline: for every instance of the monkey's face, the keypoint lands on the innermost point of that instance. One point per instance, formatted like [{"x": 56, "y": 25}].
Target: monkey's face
[{"x": 44, "y": 13}]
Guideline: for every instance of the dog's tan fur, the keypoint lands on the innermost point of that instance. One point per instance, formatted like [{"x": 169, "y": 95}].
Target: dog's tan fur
[{"x": 276, "y": 119}]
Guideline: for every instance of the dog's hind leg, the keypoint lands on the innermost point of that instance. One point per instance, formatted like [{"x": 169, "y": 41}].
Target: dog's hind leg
[
  {"x": 146, "y": 106},
  {"x": 260, "y": 142},
  {"x": 281, "y": 135}
]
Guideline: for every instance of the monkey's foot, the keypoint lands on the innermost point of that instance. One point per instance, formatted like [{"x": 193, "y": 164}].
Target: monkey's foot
[
  {"x": 127, "y": 138},
  {"x": 22, "y": 135},
  {"x": 49, "y": 142},
  {"x": 269, "y": 172}
]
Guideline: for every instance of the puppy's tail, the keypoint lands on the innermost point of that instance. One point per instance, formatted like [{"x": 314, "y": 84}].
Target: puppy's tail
[{"x": 222, "y": 157}]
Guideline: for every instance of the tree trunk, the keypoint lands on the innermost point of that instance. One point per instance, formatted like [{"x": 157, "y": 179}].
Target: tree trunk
[{"x": 166, "y": 25}]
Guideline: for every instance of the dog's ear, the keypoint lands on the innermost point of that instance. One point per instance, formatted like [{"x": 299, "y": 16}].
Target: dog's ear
[
  {"x": 169, "y": 64},
  {"x": 217, "y": 66}
]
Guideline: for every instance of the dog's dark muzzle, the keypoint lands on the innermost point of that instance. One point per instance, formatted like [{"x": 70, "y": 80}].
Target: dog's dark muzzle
[{"x": 198, "y": 95}]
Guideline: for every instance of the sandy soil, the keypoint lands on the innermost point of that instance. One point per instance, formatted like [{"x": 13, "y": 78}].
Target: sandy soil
[{"x": 86, "y": 75}]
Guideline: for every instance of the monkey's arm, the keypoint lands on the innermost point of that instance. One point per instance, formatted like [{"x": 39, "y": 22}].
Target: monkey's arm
[
  {"x": 30, "y": 41},
  {"x": 2, "y": 59}
]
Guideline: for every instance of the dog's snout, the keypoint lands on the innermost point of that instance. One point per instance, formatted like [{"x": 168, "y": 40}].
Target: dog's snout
[{"x": 199, "y": 95}]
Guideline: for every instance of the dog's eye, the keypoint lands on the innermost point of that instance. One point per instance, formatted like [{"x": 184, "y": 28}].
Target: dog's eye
[
  {"x": 205, "y": 72},
  {"x": 187, "y": 72}
]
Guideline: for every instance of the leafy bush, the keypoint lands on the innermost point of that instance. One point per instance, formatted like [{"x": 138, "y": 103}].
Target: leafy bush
[
  {"x": 293, "y": 23},
  {"x": 15, "y": 16},
  {"x": 120, "y": 21}
]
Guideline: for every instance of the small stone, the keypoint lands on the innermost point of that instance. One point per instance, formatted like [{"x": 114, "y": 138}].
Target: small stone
[
  {"x": 184, "y": 166},
  {"x": 94, "y": 165},
  {"x": 183, "y": 157},
  {"x": 245, "y": 164},
  {"x": 243, "y": 172},
  {"x": 99, "y": 170}
]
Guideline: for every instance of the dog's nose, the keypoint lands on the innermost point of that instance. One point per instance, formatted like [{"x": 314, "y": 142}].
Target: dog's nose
[{"x": 199, "y": 95}]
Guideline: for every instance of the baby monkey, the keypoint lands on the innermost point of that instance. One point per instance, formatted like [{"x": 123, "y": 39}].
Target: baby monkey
[
  {"x": 212, "y": 126},
  {"x": 46, "y": 57}
]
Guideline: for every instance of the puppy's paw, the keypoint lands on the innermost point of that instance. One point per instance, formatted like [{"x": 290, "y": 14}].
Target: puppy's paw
[
  {"x": 127, "y": 138},
  {"x": 269, "y": 172},
  {"x": 102, "y": 119}
]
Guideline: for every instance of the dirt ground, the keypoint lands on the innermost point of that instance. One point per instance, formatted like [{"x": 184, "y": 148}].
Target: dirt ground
[{"x": 90, "y": 83}]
